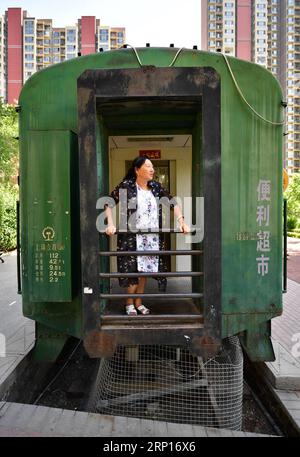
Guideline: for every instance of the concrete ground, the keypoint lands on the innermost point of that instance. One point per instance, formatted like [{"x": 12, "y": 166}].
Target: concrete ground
[
  {"x": 18, "y": 420},
  {"x": 16, "y": 331},
  {"x": 293, "y": 263},
  {"x": 284, "y": 373}
]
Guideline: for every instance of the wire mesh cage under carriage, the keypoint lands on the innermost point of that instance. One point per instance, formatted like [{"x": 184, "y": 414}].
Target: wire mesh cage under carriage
[{"x": 168, "y": 383}]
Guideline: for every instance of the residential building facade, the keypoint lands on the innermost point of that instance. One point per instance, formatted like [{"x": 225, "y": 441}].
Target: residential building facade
[
  {"x": 14, "y": 72},
  {"x": 2, "y": 57},
  {"x": 290, "y": 75},
  {"x": 28, "y": 44},
  {"x": 266, "y": 32}
]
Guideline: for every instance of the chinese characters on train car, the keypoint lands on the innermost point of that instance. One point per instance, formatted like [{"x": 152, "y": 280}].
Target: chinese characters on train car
[
  {"x": 263, "y": 246},
  {"x": 49, "y": 262}
]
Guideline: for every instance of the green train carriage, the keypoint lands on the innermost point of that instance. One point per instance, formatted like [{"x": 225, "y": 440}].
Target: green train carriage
[{"x": 70, "y": 114}]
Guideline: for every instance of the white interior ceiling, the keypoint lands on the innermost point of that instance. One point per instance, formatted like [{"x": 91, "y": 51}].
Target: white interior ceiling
[{"x": 149, "y": 141}]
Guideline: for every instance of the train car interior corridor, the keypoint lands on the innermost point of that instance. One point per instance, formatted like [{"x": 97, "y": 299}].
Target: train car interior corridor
[{"x": 171, "y": 156}]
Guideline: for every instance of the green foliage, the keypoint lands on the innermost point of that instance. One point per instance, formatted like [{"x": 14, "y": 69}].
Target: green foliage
[
  {"x": 8, "y": 217},
  {"x": 293, "y": 234},
  {"x": 8, "y": 142},
  {"x": 8, "y": 173},
  {"x": 292, "y": 195},
  {"x": 292, "y": 222}
]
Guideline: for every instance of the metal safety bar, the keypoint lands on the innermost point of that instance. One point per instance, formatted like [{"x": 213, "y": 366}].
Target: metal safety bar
[
  {"x": 151, "y": 274},
  {"x": 129, "y": 253},
  {"x": 168, "y": 274},
  {"x": 284, "y": 290},
  {"x": 143, "y": 231}
]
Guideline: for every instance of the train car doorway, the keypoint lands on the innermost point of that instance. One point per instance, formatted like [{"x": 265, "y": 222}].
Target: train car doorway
[
  {"x": 171, "y": 156},
  {"x": 150, "y": 101}
]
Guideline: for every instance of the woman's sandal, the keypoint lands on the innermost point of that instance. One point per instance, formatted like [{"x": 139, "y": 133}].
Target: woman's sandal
[
  {"x": 143, "y": 310},
  {"x": 130, "y": 310}
]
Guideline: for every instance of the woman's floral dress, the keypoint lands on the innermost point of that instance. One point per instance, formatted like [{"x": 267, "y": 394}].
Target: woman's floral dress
[
  {"x": 130, "y": 242},
  {"x": 147, "y": 217}
]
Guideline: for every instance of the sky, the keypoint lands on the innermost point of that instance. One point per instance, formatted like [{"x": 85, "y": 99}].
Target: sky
[{"x": 158, "y": 22}]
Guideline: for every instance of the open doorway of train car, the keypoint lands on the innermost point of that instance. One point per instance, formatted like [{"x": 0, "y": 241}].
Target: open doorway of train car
[
  {"x": 123, "y": 104},
  {"x": 171, "y": 156}
]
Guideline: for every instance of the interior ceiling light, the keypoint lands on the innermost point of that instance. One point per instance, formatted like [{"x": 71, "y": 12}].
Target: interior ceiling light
[{"x": 140, "y": 139}]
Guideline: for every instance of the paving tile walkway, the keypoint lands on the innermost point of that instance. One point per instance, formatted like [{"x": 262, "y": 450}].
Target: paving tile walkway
[
  {"x": 286, "y": 327},
  {"x": 284, "y": 373},
  {"x": 17, "y": 333},
  {"x": 29, "y": 420},
  {"x": 293, "y": 262}
]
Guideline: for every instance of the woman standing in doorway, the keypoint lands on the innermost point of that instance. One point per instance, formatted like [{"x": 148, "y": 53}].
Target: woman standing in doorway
[{"x": 143, "y": 213}]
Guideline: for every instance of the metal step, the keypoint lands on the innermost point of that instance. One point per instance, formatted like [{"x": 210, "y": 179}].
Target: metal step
[
  {"x": 152, "y": 319},
  {"x": 165, "y": 296}
]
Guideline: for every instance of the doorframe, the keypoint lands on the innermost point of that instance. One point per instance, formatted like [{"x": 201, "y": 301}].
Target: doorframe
[{"x": 184, "y": 83}]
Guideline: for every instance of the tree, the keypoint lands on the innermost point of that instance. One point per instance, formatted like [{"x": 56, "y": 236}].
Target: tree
[
  {"x": 292, "y": 195},
  {"x": 8, "y": 143},
  {"x": 8, "y": 173}
]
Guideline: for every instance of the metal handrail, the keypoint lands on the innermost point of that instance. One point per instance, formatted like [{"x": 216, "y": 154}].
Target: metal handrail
[
  {"x": 130, "y": 253},
  {"x": 143, "y": 231},
  {"x": 168, "y": 274},
  {"x": 150, "y": 274},
  {"x": 284, "y": 290}
]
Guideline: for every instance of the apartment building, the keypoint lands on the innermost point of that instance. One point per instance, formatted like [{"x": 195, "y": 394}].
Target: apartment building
[
  {"x": 219, "y": 27},
  {"x": 2, "y": 57},
  {"x": 110, "y": 37},
  {"x": 13, "y": 54},
  {"x": 87, "y": 27},
  {"x": 28, "y": 44},
  {"x": 116, "y": 37},
  {"x": 266, "y": 32},
  {"x": 291, "y": 78}
]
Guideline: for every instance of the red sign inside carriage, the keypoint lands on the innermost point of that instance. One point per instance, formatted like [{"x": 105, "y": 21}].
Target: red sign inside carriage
[{"x": 151, "y": 154}]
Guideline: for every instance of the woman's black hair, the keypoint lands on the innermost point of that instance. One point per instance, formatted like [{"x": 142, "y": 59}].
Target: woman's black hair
[{"x": 137, "y": 163}]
